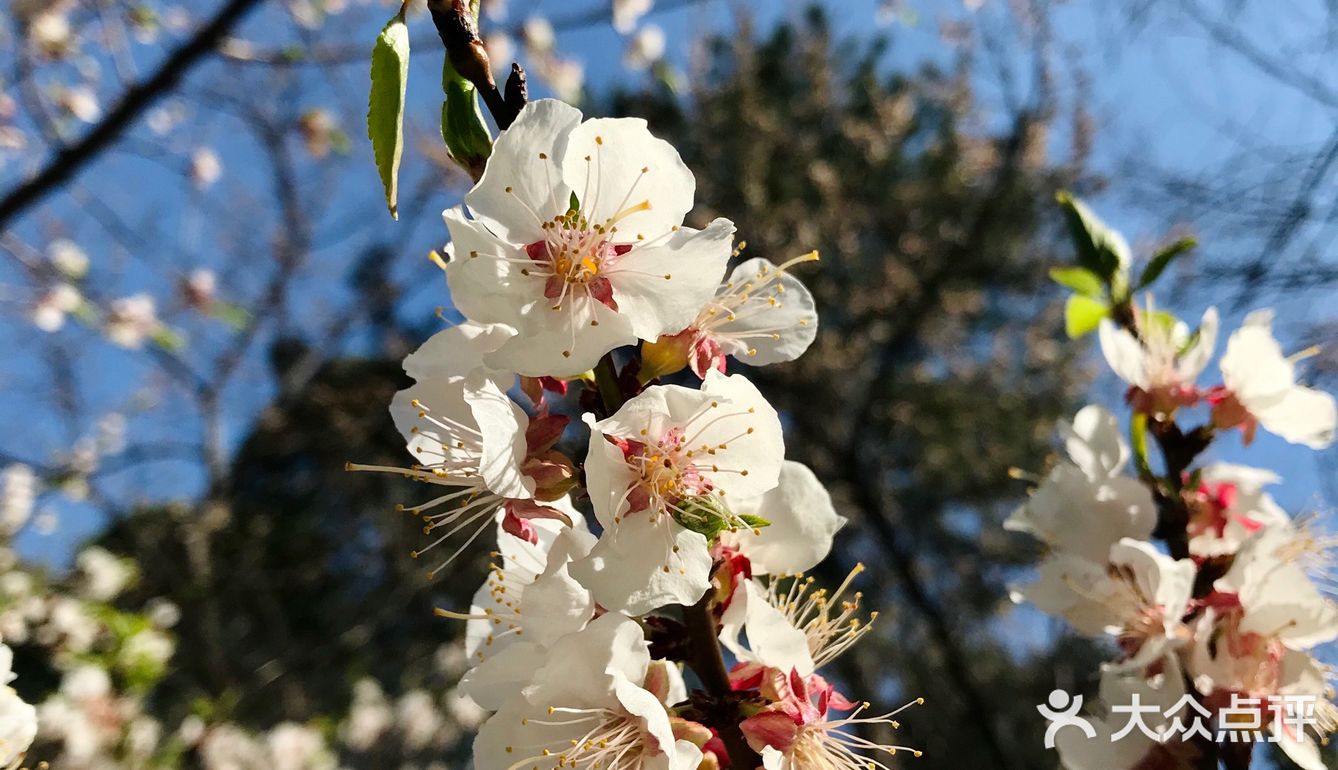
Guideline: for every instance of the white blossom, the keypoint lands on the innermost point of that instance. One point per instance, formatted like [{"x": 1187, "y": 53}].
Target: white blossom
[
  {"x": 66, "y": 256},
  {"x": 1261, "y": 389},
  {"x": 104, "y": 575},
  {"x": 1084, "y": 506},
  {"x": 293, "y": 746},
  {"x": 587, "y": 707},
  {"x": 369, "y": 717},
  {"x": 576, "y": 242},
  {"x": 1138, "y": 595},
  {"x": 18, "y": 720},
  {"x": 1134, "y": 748},
  {"x": 528, "y": 602},
  {"x": 132, "y": 320},
  {"x": 626, "y": 13},
  {"x": 645, "y": 48},
  {"x": 18, "y": 495},
  {"x": 81, "y": 102},
  {"x": 418, "y": 719},
  {"x": 205, "y": 167},
  {"x": 1162, "y": 363},
  {"x": 790, "y": 626},
  {"x": 467, "y": 438},
  {"x": 50, "y": 310},
  {"x": 673, "y": 455},
  {"x": 761, "y": 315},
  {"x": 1229, "y": 505}
]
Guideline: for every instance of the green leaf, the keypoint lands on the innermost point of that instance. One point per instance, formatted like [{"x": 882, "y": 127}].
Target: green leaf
[
  {"x": 1083, "y": 314},
  {"x": 462, "y": 125},
  {"x": 233, "y": 315},
  {"x": 1080, "y": 279},
  {"x": 1100, "y": 249},
  {"x": 756, "y": 522},
  {"x": 1162, "y": 259},
  {"x": 574, "y": 205},
  {"x": 168, "y": 339},
  {"x": 385, "y": 105}
]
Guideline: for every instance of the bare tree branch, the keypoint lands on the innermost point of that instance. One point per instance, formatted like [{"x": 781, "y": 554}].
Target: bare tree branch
[{"x": 133, "y": 103}]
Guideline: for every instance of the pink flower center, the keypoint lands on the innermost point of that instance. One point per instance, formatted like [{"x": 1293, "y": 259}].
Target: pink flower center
[
  {"x": 575, "y": 261},
  {"x": 668, "y": 473}
]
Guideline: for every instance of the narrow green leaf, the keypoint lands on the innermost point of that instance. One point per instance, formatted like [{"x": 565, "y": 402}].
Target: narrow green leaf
[
  {"x": 1100, "y": 249},
  {"x": 235, "y": 316},
  {"x": 1083, "y": 314},
  {"x": 1080, "y": 279},
  {"x": 756, "y": 522},
  {"x": 385, "y": 108},
  {"x": 1163, "y": 259},
  {"x": 168, "y": 339}
]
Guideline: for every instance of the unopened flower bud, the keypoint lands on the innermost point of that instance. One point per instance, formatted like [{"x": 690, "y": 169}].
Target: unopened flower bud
[
  {"x": 666, "y": 355},
  {"x": 686, "y": 730},
  {"x": 553, "y": 473}
]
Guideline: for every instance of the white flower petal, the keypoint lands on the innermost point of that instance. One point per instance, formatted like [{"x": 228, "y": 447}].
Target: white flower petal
[
  {"x": 1073, "y": 514},
  {"x": 503, "y": 674},
  {"x": 644, "y": 563},
  {"x": 1192, "y": 362},
  {"x": 484, "y": 273},
  {"x": 640, "y": 702},
  {"x": 1300, "y": 415},
  {"x": 1167, "y": 582},
  {"x": 607, "y": 477},
  {"x": 803, "y": 524},
  {"x": 775, "y": 325},
  {"x": 747, "y": 441},
  {"x": 536, "y": 188},
  {"x": 1075, "y": 589},
  {"x": 583, "y": 669},
  {"x": 502, "y": 424},
  {"x": 435, "y": 438},
  {"x": 564, "y": 342},
  {"x": 772, "y": 639},
  {"x": 1124, "y": 354},
  {"x": 615, "y": 163},
  {"x": 1095, "y": 443},
  {"x": 457, "y": 351},
  {"x": 693, "y": 260},
  {"x": 553, "y": 606}
]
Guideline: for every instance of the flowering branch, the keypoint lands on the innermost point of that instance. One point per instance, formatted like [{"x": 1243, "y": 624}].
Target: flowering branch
[
  {"x": 1214, "y": 628},
  {"x": 569, "y": 247}
]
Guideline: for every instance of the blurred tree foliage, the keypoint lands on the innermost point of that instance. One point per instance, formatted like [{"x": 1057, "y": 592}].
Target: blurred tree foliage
[{"x": 936, "y": 370}]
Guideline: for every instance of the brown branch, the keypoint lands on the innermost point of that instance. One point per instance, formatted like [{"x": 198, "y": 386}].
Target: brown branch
[
  {"x": 708, "y": 663},
  {"x": 133, "y": 103}
]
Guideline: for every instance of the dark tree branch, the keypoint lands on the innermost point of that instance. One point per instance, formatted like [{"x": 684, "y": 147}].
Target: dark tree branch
[{"x": 134, "y": 102}]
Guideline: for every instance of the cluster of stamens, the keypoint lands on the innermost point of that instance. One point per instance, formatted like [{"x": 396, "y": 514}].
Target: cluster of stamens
[
  {"x": 469, "y": 504},
  {"x": 612, "y": 740},
  {"x": 761, "y": 294},
  {"x": 504, "y": 617},
  {"x": 830, "y": 622},
  {"x": 828, "y": 743}
]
